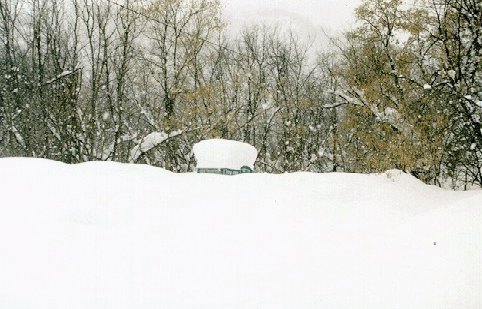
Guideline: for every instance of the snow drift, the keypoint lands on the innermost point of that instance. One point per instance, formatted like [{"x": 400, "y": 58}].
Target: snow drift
[{"x": 109, "y": 235}]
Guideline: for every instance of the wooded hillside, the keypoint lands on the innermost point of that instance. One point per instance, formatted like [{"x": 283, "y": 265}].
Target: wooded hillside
[{"x": 90, "y": 80}]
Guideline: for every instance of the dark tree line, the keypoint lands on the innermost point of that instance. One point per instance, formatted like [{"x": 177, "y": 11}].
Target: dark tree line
[{"x": 134, "y": 82}]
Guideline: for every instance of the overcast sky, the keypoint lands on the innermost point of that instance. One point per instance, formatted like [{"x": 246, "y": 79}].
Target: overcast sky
[{"x": 303, "y": 15}]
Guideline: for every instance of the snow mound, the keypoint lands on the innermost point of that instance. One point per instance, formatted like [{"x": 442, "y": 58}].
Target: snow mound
[
  {"x": 107, "y": 235},
  {"x": 221, "y": 153},
  {"x": 395, "y": 175}
]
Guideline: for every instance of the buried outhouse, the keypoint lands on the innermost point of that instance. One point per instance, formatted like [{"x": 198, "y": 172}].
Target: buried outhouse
[{"x": 227, "y": 157}]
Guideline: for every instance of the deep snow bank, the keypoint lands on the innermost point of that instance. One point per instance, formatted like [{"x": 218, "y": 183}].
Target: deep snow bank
[{"x": 109, "y": 235}]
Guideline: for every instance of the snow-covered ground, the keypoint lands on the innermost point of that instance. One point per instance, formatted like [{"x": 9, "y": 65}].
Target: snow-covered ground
[{"x": 109, "y": 235}]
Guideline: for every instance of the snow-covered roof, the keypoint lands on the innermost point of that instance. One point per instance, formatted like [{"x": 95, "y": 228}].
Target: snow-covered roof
[{"x": 221, "y": 153}]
